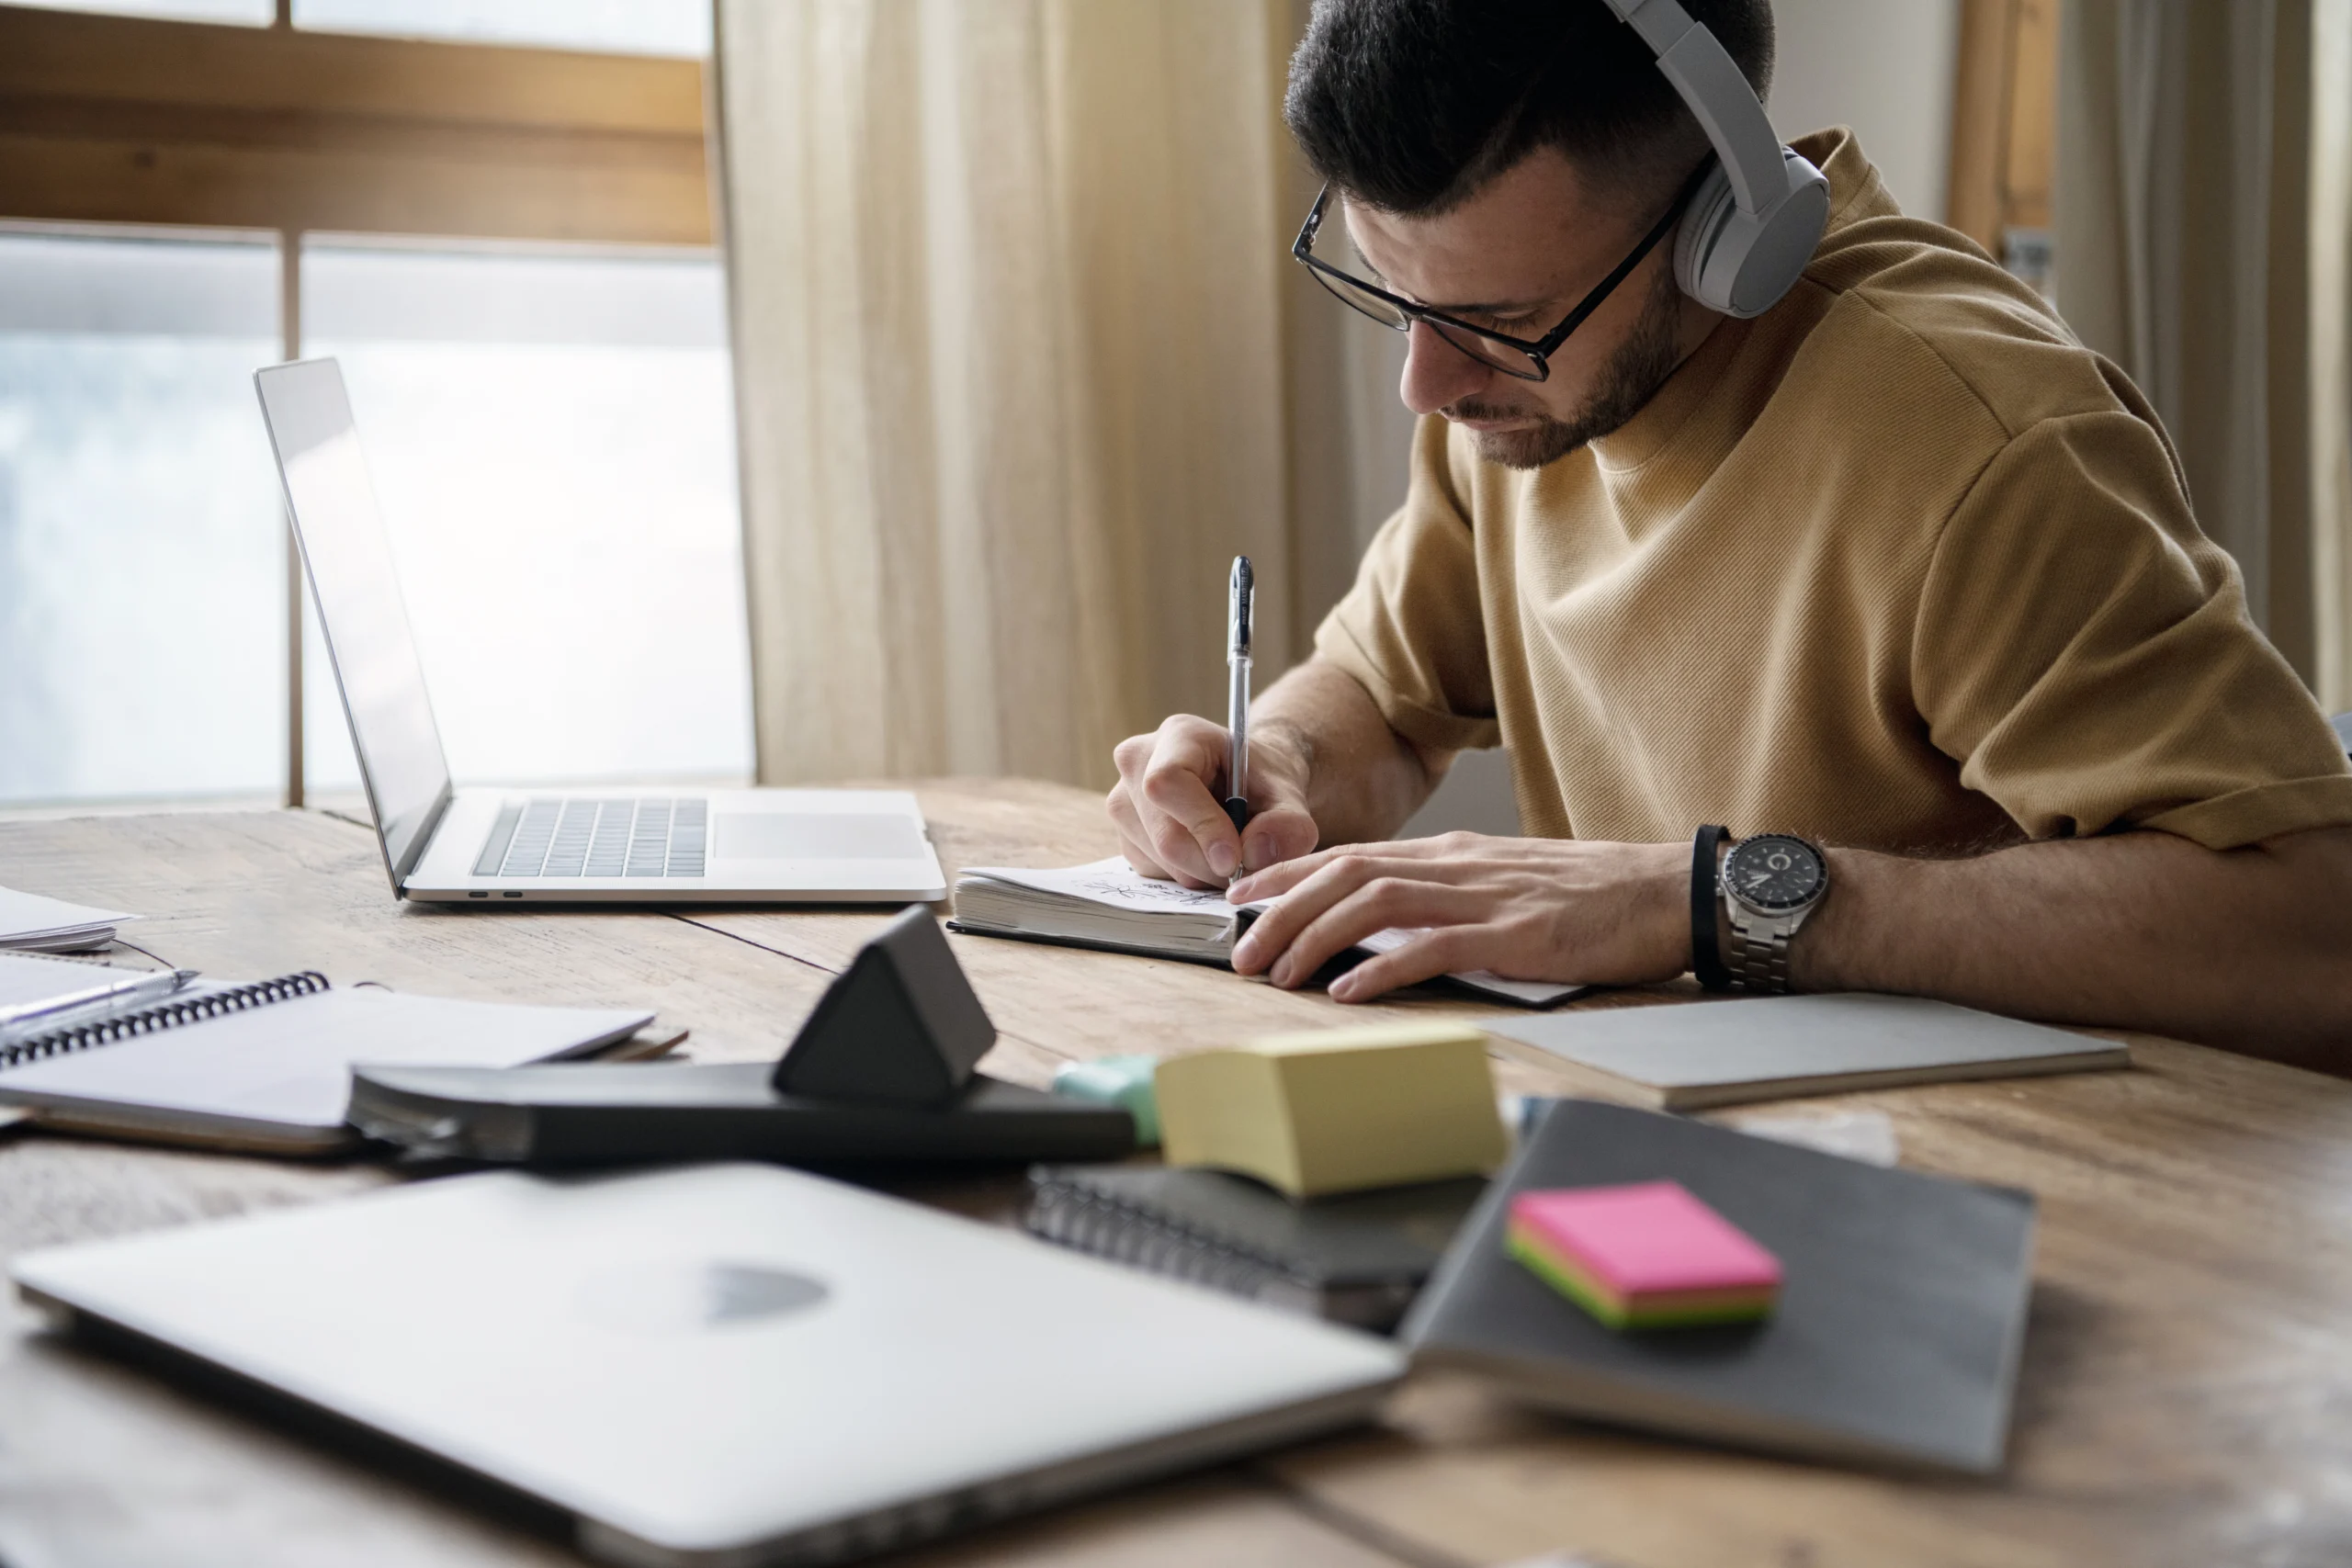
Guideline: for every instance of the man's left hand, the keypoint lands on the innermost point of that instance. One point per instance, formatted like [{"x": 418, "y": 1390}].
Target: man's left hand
[{"x": 1525, "y": 909}]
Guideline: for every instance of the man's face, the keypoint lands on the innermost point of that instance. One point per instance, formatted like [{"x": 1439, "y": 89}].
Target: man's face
[{"x": 1516, "y": 257}]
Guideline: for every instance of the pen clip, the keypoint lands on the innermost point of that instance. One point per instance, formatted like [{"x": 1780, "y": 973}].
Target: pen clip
[{"x": 1241, "y": 609}]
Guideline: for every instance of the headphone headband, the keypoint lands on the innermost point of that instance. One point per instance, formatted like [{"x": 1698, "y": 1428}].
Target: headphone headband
[
  {"x": 1752, "y": 226},
  {"x": 1712, "y": 83}
]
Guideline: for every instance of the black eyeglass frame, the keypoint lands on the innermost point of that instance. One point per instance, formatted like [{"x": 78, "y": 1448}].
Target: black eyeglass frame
[{"x": 1539, "y": 350}]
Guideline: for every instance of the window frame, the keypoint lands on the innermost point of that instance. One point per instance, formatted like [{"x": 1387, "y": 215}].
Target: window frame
[{"x": 173, "y": 125}]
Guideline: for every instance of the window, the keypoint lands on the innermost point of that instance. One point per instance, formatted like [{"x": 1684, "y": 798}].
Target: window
[
  {"x": 679, "y": 27},
  {"x": 552, "y": 443},
  {"x": 508, "y": 247},
  {"x": 241, "y": 13},
  {"x": 139, "y": 537},
  {"x": 625, "y": 27}
]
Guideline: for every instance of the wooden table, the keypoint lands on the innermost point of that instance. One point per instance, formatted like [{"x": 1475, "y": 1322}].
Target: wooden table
[{"x": 2187, "y": 1395}]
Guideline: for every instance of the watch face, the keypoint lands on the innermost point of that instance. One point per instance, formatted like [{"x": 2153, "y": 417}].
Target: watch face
[{"x": 1774, "y": 872}]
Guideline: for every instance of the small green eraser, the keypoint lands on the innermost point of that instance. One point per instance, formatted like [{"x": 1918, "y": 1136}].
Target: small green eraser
[{"x": 1123, "y": 1081}]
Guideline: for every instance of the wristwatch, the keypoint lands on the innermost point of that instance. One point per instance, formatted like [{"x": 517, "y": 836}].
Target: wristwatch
[{"x": 1770, "y": 883}]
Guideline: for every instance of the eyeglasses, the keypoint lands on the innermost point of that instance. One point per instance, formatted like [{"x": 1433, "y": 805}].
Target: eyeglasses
[{"x": 1528, "y": 360}]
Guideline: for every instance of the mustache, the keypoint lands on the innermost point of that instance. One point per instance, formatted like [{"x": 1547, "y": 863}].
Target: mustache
[{"x": 1471, "y": 409}]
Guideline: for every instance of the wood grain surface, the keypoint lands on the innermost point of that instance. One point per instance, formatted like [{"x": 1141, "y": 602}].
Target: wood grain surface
[{"x": 2187, "y": 1393}]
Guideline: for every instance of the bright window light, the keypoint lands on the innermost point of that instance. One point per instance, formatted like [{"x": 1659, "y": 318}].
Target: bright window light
[
  {"x": 244, "y": 13},
  {"x": 552, "y": 439},
  {"x": 141, "y": 565},
  {"x": 622, "y": 26}
]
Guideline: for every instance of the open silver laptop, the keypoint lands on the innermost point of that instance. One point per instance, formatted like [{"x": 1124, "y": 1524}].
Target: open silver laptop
[
  {"x": 603, "y": 846},
  {"x": 726, "y": 1364}
]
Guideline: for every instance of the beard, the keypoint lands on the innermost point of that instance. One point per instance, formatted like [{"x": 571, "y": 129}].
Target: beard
[{"x": 1628, "y": 379}]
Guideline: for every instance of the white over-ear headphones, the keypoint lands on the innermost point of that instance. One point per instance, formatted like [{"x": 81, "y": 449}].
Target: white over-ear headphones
[{"x": 1752, "y": 224}]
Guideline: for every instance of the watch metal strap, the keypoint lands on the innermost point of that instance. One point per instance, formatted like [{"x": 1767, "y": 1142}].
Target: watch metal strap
[{"x": 1760, "y": 958}]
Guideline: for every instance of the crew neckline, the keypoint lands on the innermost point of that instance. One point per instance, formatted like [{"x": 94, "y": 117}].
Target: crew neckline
[{"x": 1837, "y": 154}]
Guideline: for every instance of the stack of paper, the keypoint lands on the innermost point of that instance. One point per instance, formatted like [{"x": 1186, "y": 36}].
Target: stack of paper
[
  {"x": 1645, "y": 1254},
  {"x": 30, "y": 923}
]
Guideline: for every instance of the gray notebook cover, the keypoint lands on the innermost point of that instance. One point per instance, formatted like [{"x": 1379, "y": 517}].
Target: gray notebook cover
[
  {"x": 1896, "y": 1342},
  {"x": 1720, "y": 1053}
]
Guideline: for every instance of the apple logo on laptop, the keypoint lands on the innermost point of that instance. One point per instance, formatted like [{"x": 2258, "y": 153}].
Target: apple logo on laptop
[{"x": 688, "y": 1296}]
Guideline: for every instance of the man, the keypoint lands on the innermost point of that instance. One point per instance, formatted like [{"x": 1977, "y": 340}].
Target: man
[{"x": 1897, "y": 567}]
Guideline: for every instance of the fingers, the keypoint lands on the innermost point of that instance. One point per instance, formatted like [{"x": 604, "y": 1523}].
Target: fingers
[
  {"x": 1167, "y": 808},
  {"x": 1300, "y": 890},
  {"x": 1133, "y": 842},
  {"x": 1275, "y": 879},
  {"x": 1381, "y": 905},
  {"x": 1277, "y": 832},
  {"x": 1341, "y": 905},
  {"x": 1444, "y": 949},
  {"x": 1184, "y": 821}
]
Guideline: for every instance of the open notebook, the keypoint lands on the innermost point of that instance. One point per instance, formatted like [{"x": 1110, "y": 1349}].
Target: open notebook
[
  {"x": 1109, "y": 904},
  {"x": 267, "y": 1066}
]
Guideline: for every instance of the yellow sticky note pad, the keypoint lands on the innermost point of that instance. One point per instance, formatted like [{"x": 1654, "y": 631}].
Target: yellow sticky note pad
[{"x": 1337, "y": 1109}]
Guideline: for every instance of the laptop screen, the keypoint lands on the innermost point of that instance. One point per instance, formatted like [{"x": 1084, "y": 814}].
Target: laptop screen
[{"x": 360, "y": 609}]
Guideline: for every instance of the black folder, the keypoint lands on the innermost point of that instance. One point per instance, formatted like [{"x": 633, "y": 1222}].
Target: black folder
[{"x": 564, "y": 1114}]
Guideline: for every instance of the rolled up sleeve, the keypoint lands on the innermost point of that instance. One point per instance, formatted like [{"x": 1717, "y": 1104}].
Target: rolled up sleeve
[{"x": 2084, "y": 653}]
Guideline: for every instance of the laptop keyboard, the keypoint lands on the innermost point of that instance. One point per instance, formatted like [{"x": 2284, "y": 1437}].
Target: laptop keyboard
[{"x": 597, "y": 837}]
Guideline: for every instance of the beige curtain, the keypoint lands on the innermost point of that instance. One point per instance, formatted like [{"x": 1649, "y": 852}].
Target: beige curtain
[
  {"x": 1009, "y": 312},
  {"x": 2199, "y": 213}
]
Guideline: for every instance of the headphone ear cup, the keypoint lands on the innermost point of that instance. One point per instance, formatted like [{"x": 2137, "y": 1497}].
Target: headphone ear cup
[
  {"x": 1731, "y": 262},
  {"x": 1696, "y": 239}
]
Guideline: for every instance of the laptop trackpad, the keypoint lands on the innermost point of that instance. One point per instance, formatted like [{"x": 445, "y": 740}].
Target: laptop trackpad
[{"x": 787, "y": 835}]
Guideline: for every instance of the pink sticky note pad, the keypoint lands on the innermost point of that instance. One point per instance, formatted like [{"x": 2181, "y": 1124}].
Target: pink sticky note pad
[{"x": 1646, "y": 1238}]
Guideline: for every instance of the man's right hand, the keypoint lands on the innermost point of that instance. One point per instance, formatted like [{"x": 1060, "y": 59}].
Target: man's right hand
[{"x": 1170, "y": 821}]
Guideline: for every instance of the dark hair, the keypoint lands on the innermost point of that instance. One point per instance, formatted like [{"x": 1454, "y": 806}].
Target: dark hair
[{"x": 1410, "y": 106}]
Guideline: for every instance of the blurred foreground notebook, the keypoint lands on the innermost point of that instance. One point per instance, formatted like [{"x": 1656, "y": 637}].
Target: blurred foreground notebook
[
  {"x": 1894, "y": 1343},
  {"x": 267, "y": 1066},
  {"x": 1108, "y": 903},
  {"x": 31, "y": 923},
  {"x": 1356, "y": 1260},
  {"x": 1689, "y": 1057}
]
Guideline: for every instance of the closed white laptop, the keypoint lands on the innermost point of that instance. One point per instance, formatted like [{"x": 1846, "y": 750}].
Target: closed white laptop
[
  {"x": 736, "y": 846},
  {"x": 729, "y": 1364}
]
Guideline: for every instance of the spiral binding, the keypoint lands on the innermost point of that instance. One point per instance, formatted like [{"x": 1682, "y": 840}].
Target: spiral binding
[
  {"x": 1091, "y": 1223},
  {"x": 163, "y": 1016}
]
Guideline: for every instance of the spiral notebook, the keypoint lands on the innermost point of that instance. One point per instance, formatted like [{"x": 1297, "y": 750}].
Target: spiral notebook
[
  {"x": 1355, "y": 1259},
  {"x": 266, "y": 1067}
]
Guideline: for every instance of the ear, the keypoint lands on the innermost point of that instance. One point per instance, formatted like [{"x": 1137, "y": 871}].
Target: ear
[{"x": 900, "y": 1025}]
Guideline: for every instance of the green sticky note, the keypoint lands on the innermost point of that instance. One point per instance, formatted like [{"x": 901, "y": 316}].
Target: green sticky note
[{"x": 1124, "y": 1082}]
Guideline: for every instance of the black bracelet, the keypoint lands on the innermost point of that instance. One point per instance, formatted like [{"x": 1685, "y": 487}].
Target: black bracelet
[{"x": 1706, "y": 953}]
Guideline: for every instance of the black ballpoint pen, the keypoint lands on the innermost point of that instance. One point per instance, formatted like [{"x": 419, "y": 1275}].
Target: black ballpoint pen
[{"x": 1239, "y": 612}]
